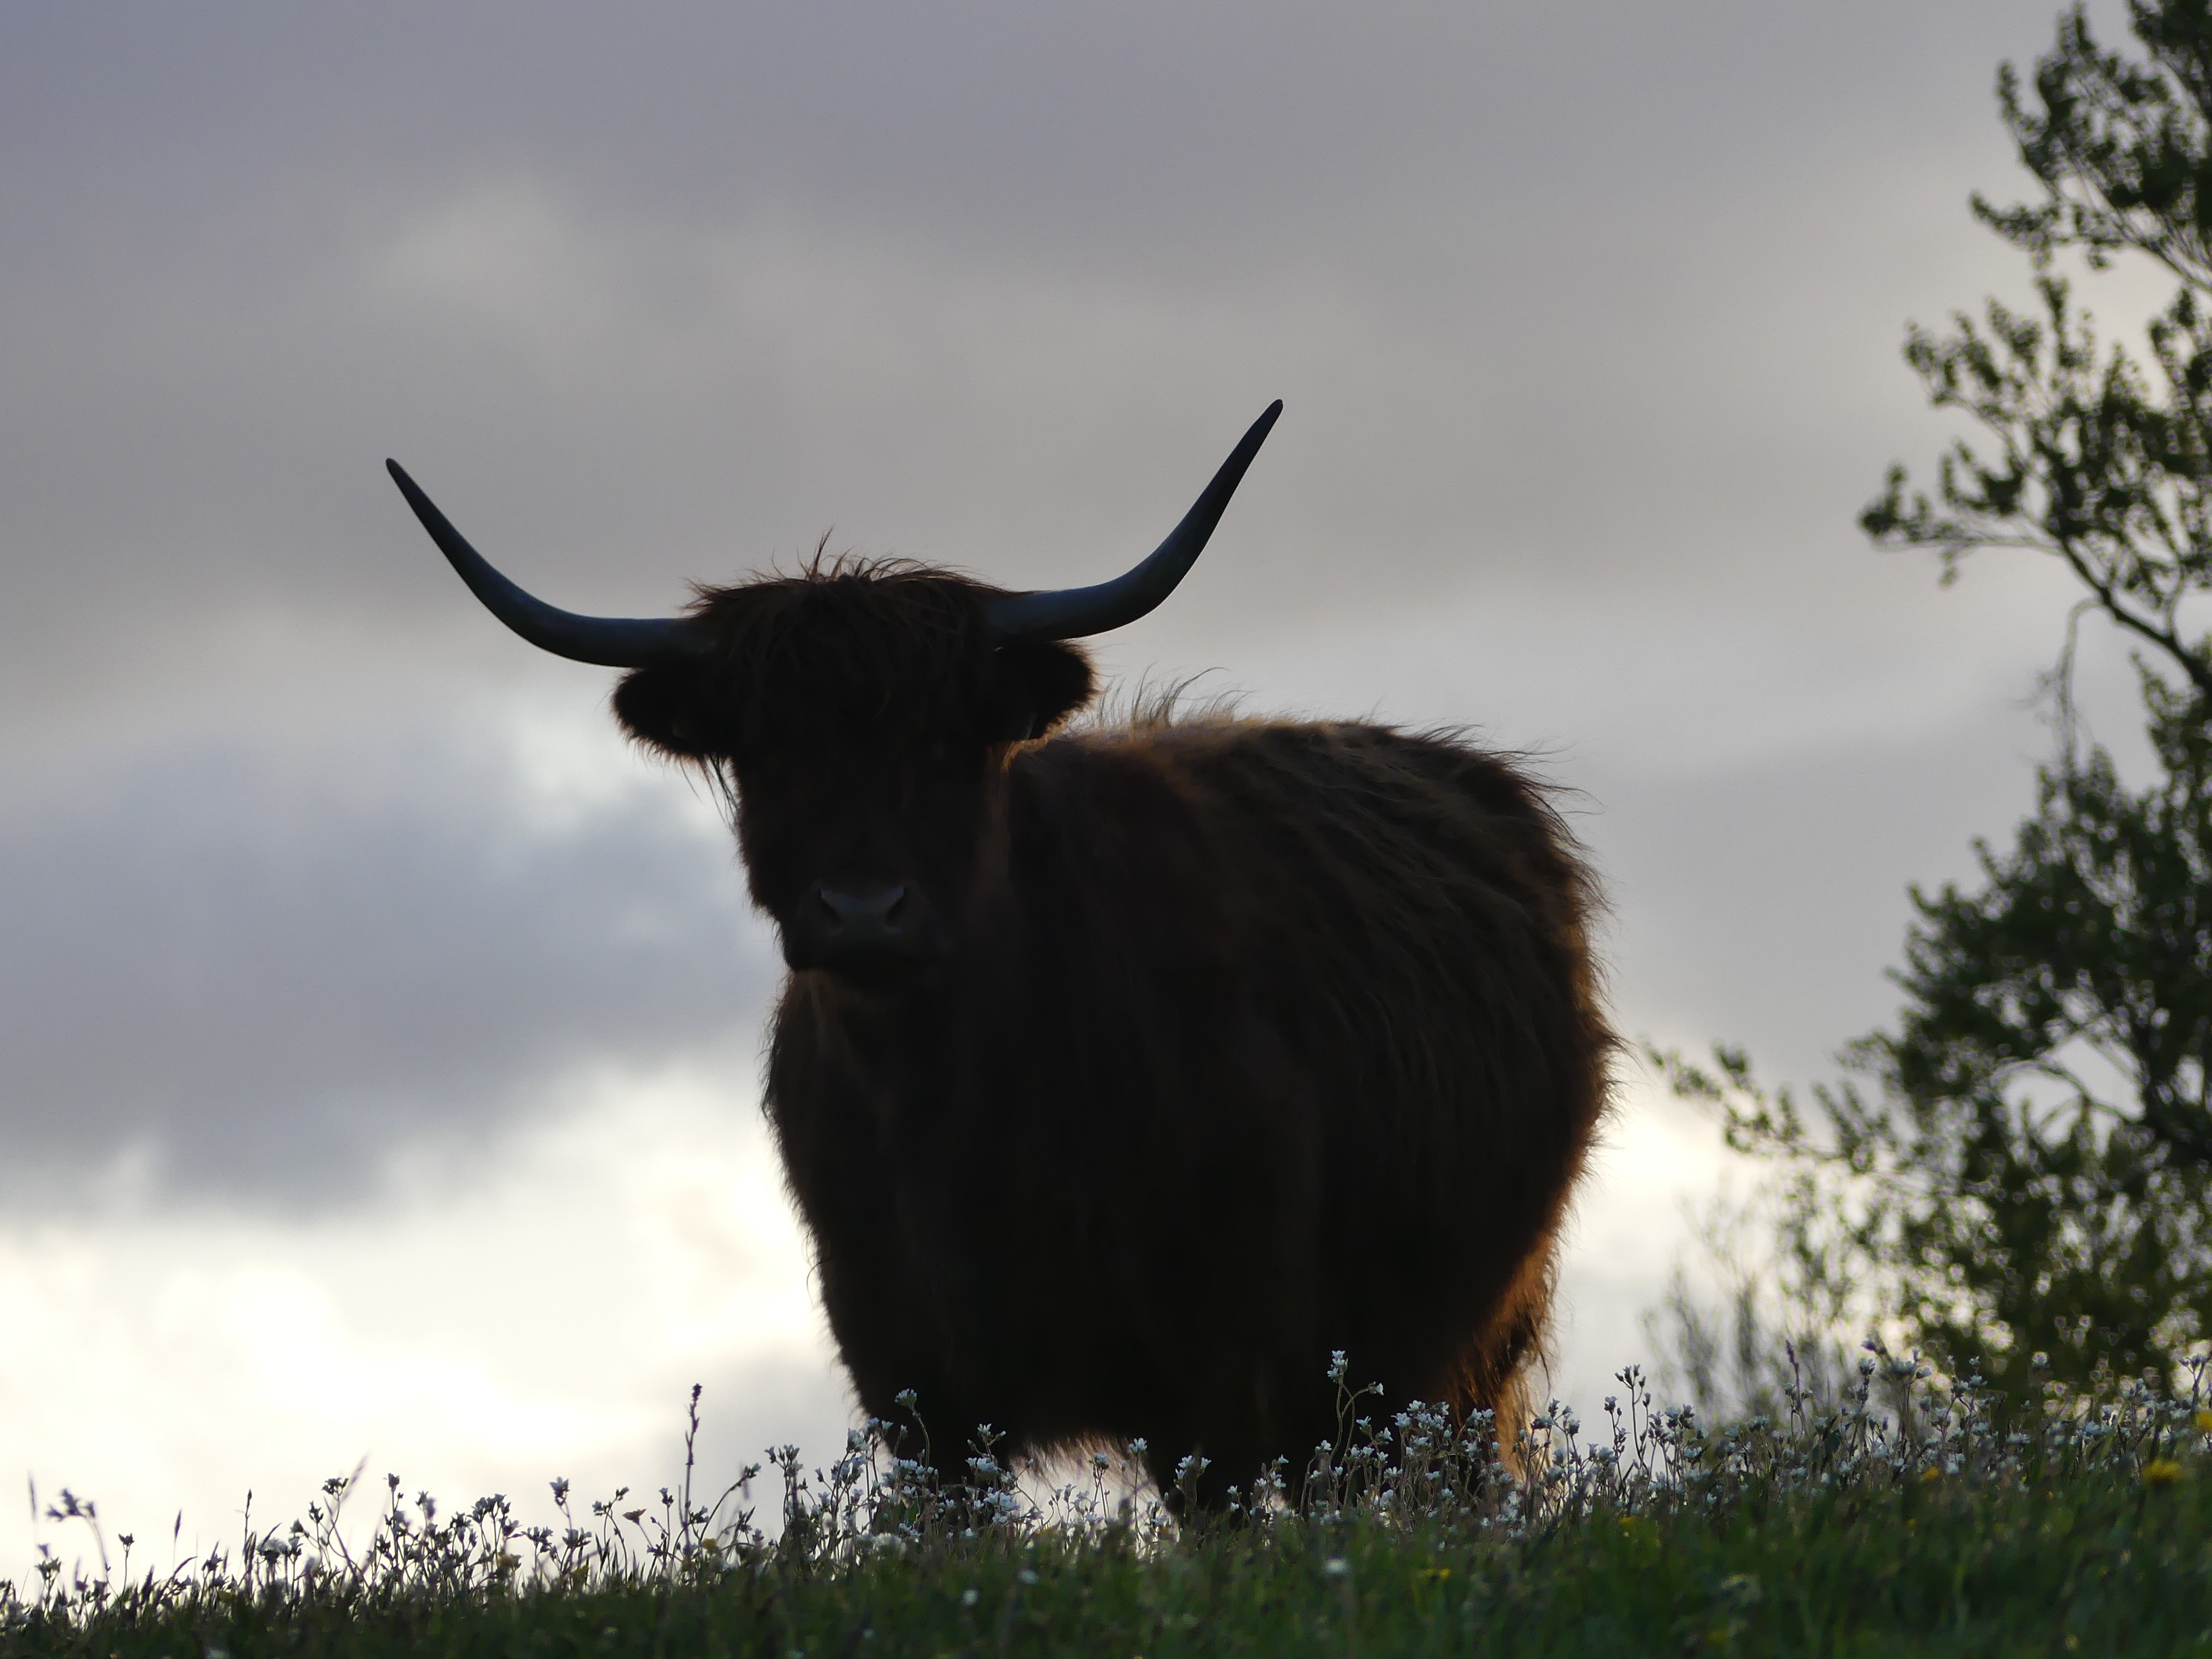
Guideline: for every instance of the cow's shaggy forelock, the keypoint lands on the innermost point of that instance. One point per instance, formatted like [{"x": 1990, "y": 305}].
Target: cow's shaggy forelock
[{"x": 882, "y": 652}]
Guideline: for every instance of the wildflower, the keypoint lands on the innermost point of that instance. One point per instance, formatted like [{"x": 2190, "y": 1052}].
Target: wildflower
[
  {"x": 2161, "y": 1472},
  {"x": 2203, "y": 1420},
  {"x": 971, "y": 1596}
]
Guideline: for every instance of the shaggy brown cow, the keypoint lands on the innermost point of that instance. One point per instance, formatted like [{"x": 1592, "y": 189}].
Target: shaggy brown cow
[{"x": 1125, "y": 1071}]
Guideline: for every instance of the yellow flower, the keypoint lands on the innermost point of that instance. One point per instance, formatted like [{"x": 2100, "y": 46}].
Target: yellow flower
[
  {"x": 2205, "y": 1420},
  {"x": 2161, "y": 1472},
  {"x": 1931, "y": 1473}
]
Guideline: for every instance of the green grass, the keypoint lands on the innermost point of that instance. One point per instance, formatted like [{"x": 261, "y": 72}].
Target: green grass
[{"x": 1929, "y": 1527}]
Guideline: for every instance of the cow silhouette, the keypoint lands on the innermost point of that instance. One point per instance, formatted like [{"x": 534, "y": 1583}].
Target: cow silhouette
[{"x": 1126, "y": 1070}]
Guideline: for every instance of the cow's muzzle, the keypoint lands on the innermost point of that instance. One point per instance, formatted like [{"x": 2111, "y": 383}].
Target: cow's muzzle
[{"x": 868, "y": 930}]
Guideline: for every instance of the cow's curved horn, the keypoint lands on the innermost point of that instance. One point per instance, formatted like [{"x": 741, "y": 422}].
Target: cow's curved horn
[
  {"x": 609, "y": 641},
  {"x": 1068, "y": 613}
]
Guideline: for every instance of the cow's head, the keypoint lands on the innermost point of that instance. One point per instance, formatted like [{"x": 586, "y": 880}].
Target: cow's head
[{"x": 858, "y": 713}]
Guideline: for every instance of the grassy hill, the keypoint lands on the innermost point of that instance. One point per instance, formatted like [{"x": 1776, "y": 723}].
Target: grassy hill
[{"x": 1906, "y": 1518}]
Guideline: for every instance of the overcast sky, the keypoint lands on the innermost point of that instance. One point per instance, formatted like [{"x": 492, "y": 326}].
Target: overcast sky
[{"x": 378, "y": 1036}]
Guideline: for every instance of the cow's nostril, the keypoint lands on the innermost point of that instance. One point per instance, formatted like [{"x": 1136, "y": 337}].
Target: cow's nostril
[{"x": 855, "y": 916}]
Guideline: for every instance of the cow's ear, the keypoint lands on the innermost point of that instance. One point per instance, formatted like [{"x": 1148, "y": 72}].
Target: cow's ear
[
  {"x": 1038, "y": 683},
  {"x": 661, "y": 706}
]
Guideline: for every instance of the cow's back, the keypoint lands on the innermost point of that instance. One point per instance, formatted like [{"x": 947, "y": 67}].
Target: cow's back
[{"x": 1426, "y": 919}]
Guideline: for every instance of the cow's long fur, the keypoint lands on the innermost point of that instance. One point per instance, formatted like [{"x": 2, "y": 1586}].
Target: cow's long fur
[{"x": 1253, "y": 1040}]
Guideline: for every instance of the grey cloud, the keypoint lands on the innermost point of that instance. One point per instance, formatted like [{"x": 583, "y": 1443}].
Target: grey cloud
[
  {"x": 1574, "y": 305},
  {"x": 1577, "y": 291},
  {"x": 265, "y": 971},
  {"x": 1130, "y": 133},
  {"x": 1762, "y": 904}
]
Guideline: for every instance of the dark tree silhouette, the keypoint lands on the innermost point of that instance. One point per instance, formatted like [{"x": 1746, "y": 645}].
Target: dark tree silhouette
[{"x": 2017, "y": 1172}]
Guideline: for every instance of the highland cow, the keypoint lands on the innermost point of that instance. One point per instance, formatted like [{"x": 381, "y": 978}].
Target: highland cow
[{"x": 1125, "y": 1071}]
